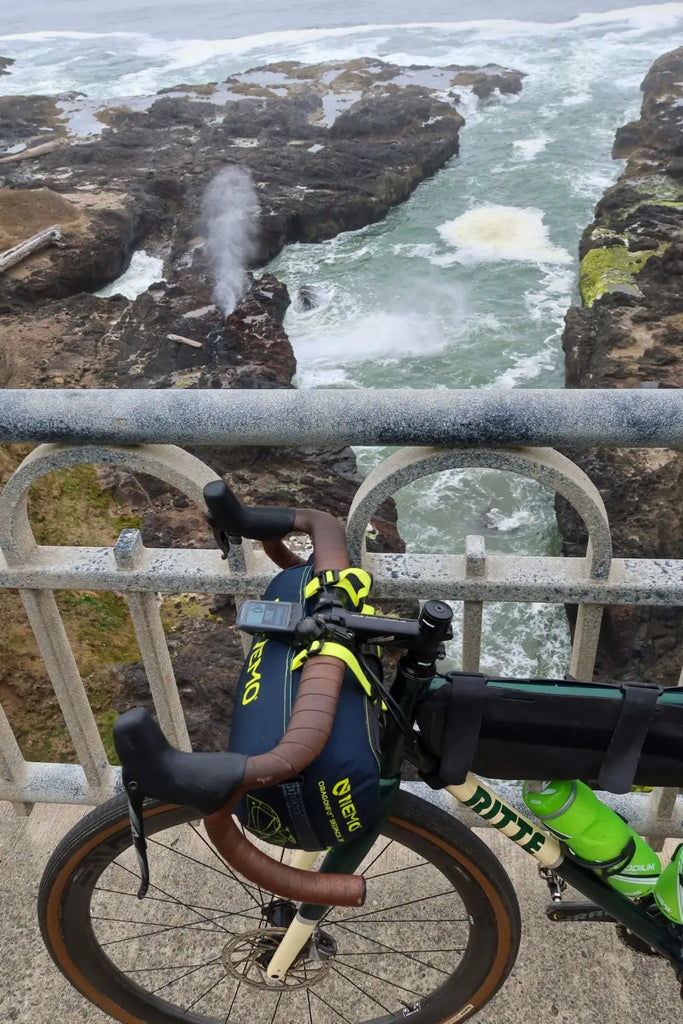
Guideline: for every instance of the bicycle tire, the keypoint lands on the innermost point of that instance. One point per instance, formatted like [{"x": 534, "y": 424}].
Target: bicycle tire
[{"x": 98, "y": 934}]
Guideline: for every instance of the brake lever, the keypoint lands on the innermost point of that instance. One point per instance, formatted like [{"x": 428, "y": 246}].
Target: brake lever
[
  {"x": 137, "y": 827},
  {"x": 223, "y": 540}
]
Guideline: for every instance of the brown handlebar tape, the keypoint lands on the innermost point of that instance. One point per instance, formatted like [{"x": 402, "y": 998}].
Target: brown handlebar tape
[
  {"x": 308, "y": 729},
  {"x": 329, "y": 538},
  {"x": 290, "y": 883},
  {"x": 279, "y": 553},
  {"x": 329, "y": 542},
  {"x": 307, "y": 733}
]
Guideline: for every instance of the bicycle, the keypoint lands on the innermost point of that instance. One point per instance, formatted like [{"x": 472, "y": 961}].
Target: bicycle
[{"x": 226, "y": 933}]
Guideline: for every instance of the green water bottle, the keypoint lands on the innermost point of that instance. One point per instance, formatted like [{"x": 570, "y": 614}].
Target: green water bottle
[
  {"x": 669, "y": 888},
  {"x": 596, "y": 835}
]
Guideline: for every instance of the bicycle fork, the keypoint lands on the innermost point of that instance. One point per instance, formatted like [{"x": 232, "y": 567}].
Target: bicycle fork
[{"x": 342, "y": 859}]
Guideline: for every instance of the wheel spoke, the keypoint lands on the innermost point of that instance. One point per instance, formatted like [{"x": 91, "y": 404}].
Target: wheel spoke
[
  {"x": 381, "y": 853},
  {"x": 395, "y": 906},
  {"x": 171, "y": 898},
  {"x": 254, "y": 914},
  {"x": 156, "y": 899},
  {"x": 398, "y": 952},
  {"x": 210, "y": 867},
  {"x": 401, "y": 920},
  {"x": 175, "y": 967},
  {"x": 389, "y": 981},
  {"x": 148, "y": 935},
  {"x": 179, "y": 902},
  {"x": 330, "y": 1006},
  {"x": 205, "y": 993},
  {"x": 164, "y": 925},
  {"x": 403, "y": 952},
  {"x": 396, "y": 871},
  {"x": 272, "y": 1019},
  {"x": 167, "y": 984},
  {"x": 350, "y": 981},
  {"x": 232, "y": 1002}
]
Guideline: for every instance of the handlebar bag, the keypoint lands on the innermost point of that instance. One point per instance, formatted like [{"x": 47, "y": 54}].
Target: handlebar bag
[
  {"x": 613, "y": 736},
  {"x": 338, "y": 795}
]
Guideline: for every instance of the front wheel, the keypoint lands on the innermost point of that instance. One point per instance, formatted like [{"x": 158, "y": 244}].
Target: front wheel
[{"x": 434, "y": 941}]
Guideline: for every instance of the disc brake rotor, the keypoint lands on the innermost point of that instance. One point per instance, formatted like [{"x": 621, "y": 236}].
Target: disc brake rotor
[{"x": 246, "y": 957}]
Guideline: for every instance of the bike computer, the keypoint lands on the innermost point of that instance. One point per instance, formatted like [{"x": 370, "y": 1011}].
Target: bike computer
[{"x": 278, "y": 618}]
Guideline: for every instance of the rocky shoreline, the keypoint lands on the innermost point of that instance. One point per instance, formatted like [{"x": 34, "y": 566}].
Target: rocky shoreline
[
  {"x": 629, "y": 333},
  {"x": 328, "y": 148}
]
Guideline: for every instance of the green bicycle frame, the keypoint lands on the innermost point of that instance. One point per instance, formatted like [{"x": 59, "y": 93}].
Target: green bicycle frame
[{"x": 660, "y": 935}]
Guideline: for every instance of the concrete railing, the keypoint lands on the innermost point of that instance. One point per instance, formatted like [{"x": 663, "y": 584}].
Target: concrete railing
[{"x": 508, "y": 431}]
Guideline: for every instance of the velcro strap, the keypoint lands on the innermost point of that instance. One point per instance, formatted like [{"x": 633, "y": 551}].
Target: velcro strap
[
  {"x": 621, "y": 759},
  {"x": 463, "y": 724},
  {"x": 354, "y": 582},
  {"x": 335, "y": 651}
]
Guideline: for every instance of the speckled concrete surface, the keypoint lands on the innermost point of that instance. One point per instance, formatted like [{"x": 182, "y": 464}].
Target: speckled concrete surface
[
  {"x": 575, "y": 418},
  {"x": 565, "y": 973}
]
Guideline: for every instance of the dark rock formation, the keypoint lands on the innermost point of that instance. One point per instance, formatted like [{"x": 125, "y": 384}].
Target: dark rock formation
[
  {"x": 5, "y": 63},
  {"x": 99, "y": 228},
  {"x": 207, "y": 696},
  {"x": 629, "y": 333},
  {"x": 329, "y": 149}
]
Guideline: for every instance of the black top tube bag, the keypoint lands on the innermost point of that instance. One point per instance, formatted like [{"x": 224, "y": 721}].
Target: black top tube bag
[
  {"x": 613, "y": 736},
  {"x": 338, "y": 795}
]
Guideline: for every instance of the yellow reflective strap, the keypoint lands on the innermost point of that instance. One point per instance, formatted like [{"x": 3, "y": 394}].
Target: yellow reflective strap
[
  {"x": 300, "y": 658},
  {"x": 363, "y": 580},
  {"x": 344, "y": 580},
  {"x": 334, "y": 650},
  {"x": 350, "y": 660}
]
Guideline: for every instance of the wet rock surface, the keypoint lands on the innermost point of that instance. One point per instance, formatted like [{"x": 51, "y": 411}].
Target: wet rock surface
[
  {"x": 629, "y": 333},
  {"x": 329, "y": 148}
]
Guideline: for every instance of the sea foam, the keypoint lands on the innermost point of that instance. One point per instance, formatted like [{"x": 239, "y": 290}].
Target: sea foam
[
  {"x": 490, "y": 233},
  {"x": 143, "y": 271},
  {"x": 527, "y": 149}
]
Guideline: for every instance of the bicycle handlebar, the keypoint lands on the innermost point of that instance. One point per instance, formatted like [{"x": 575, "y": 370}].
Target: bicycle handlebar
[
  {"x": 308, "y": 729},
  {"x": 227, "y": 515}
]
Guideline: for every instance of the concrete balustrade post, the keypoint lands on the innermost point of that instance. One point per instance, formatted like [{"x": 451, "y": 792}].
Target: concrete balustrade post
[
  {"x": 475, "y": 568},
  {"x": 146, "y": 616}
]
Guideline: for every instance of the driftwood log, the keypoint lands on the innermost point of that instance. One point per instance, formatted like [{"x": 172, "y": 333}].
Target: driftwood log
[
  {"x": 50, "y": 236},
  {"x": 28, "y": 154},
  {"x": 181, "y": 339}
]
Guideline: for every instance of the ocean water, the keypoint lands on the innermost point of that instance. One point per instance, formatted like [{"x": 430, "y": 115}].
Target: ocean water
[{"x": 463, "y": 286}]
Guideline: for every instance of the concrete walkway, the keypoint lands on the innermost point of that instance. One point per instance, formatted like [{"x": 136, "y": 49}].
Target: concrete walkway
[{"x": 565, "y": 973}]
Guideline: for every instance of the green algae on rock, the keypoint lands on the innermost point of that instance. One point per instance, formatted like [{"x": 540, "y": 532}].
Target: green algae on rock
[{"x": 612, "y": 269}]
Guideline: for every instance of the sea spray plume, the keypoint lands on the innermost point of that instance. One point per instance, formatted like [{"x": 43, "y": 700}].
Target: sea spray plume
[{"x": 230, "y": 215}]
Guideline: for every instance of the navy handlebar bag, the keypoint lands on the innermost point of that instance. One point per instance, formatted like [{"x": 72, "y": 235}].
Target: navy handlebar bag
[{"x": 338, "y": 795}]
